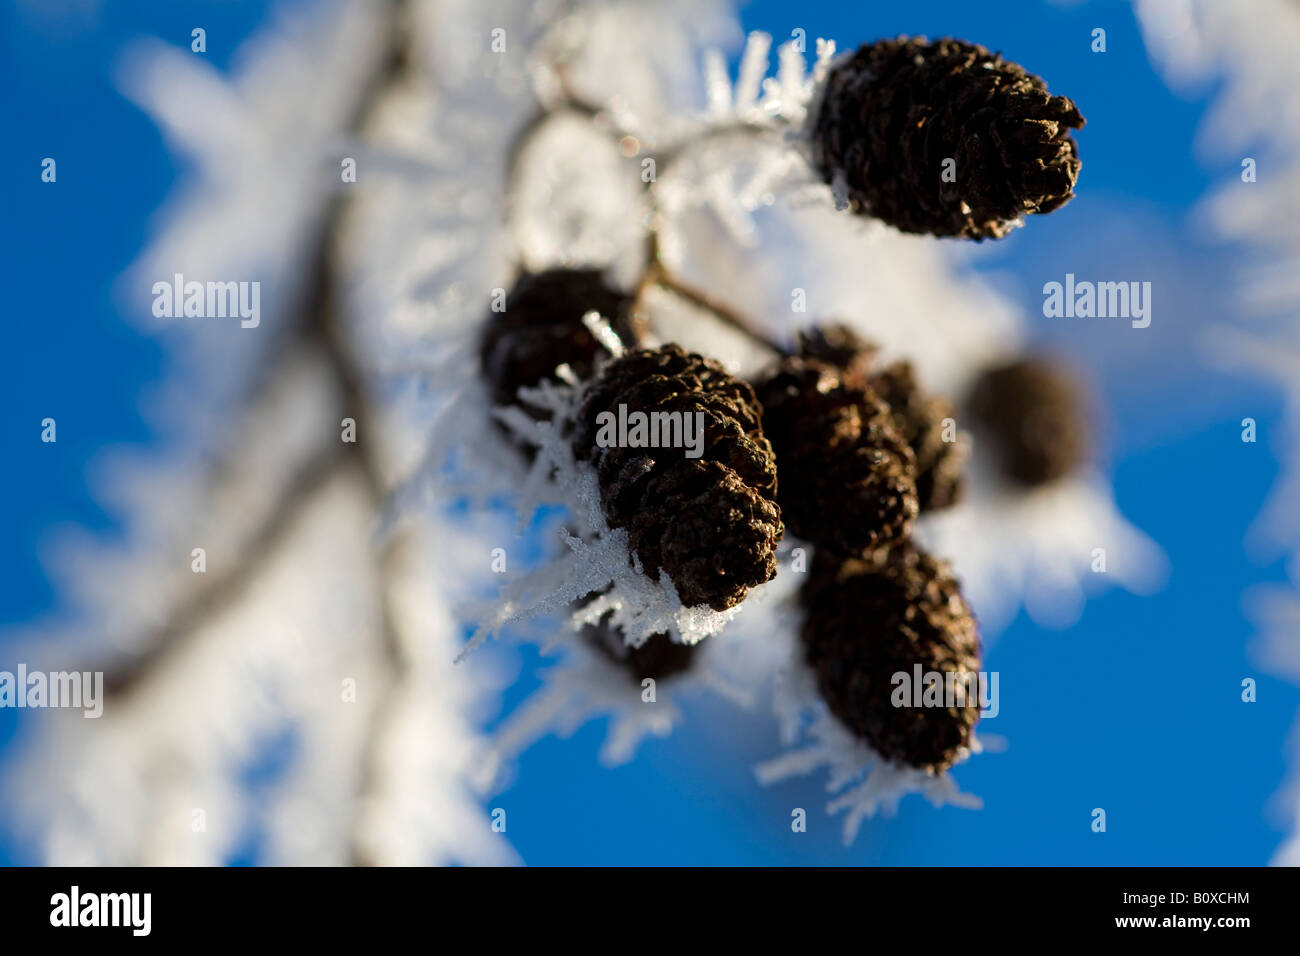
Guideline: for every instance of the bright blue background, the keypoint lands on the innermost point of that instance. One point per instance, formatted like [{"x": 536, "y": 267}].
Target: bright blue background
[{"x": 1137, "y": 709}]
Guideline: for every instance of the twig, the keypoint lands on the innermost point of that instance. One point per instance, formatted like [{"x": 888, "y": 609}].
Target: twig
[
  {"x": 364, "y": 451},
  {"x": 656, "y": 273}
]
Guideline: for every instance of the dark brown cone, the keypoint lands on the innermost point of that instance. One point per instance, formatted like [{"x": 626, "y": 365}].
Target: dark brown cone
[
  {"x": 1034, "y": 413},
  {"x": 840, "y": 346},
  {"x": 658, "y": 657},
  {"x": 541, "y": 328},
  {"x": 868, "y": 620},
  {"x": 710, "y": 523},
  {"x": 919, "y": 417},
  {"x": 894, "y": 111},
  {"x": 847, "y": 478}
]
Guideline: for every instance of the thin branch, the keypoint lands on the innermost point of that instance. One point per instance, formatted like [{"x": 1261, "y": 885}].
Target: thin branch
[
  {"x": 656, "y": 273},
  {"x": 365, "y": 452}
]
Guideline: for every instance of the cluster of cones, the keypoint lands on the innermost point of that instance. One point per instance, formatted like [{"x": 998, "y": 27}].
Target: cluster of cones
[{"x": 844, "y": 451}]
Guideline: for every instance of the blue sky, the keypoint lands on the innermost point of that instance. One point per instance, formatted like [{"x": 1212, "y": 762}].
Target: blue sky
[{"x": 1136, "y": 709}]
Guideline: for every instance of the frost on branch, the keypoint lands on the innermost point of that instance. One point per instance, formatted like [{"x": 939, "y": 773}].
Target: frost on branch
[
  {"x": 263, "y": 143},
  {"x": 1255, "y": 114},
  {"x": 243, "y": 715}
]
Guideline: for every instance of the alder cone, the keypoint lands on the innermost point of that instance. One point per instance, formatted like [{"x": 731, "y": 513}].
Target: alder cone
[
  {"x": 919, "y": 418},
  {"x": 869, "y": 619},
  {"x": 893, "y": 112},
  {"x": 710, "y": 523},
  {"x": 1035, "y": 415},
  {"x": 917, "y": 415},
  {"x": 542, "y": 328},
  {"x": 847, "y": 478}
]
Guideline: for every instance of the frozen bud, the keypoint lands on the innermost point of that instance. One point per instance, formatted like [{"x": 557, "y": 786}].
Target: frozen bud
[
  {"x": 899, "y": 611},
  {"x": 945, "y": 138},
  {"x": 541, "y": 328},
  {"x": 710, "y": 522},
  {"x": 1033, "y": 413},
  {"x": 919, "y": 417},
  {"x": 847, "y": 478}
]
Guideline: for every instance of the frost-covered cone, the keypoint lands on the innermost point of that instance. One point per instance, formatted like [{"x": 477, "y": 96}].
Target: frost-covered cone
[
  {"x": 847, "y": 478},
  {"x": 864, "y": 783},
  {"x": 895, "y": 113},
  {"x": 869, "y": 620},
  {"x": 1035, "y": 415},
  {"x": 710, "y": 523},
  {"x": 541, "y": 328}
]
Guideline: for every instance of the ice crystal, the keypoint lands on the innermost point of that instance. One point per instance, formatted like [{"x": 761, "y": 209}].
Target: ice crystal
[{"x": 587, "y": 684}]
